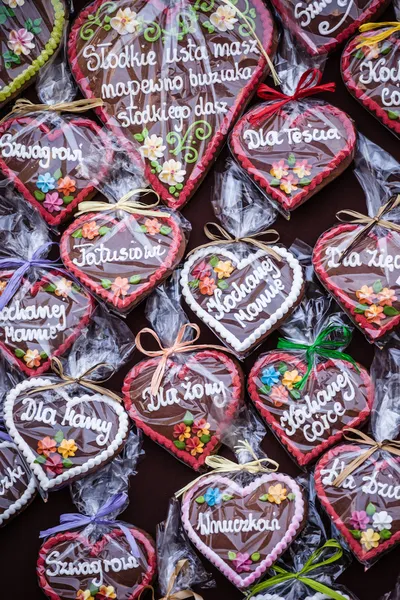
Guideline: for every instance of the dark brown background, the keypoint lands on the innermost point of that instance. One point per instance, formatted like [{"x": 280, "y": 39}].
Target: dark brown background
[{"x": 160, "y": 474}]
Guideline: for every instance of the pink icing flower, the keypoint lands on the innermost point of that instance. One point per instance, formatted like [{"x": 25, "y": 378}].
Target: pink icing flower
[
  {"x": 359, "y": 519},
  {"x": 201, "y": 270},
  {"x": 53, "y": 202},
  {"x": 242, "y": 562},
  {"x": 21, "y": 41}
]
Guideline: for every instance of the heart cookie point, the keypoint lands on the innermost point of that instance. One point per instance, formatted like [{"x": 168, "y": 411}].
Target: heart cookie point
[{"x": 17, "y": 486}]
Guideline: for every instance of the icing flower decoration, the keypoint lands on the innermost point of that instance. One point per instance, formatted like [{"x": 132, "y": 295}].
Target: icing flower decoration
[
  {"x": 66, "y": 186},
  {"x": 153, "y": 226},
  {"x": 63, "y": 288},
  {"x": 223, "y": 269},
  {"x": 32, "y": 358},
  {"x": 14, "y": 3},
  {"x": 120, "y": 286},
  {"x": 279, "y": 169},
  {"x": 224, "y": 18},
  {"x": 46, "y": 446},
  {"x": 279, "y": 395},
  {"x": 213, "y": 496},
  {"x": 370, "y": 539},
  {"x": 3, "y": 285},
  {"x": 302, "y": 168},
  {"x": 201, "y": 427},
  {"x": 290, "y": 378},
  {"x": 46, "y": 183},
  {"x": 125, "y": 21},
  {"x": 181, "y": 431},
  {"x": 153, "y": 147},
  {"x": 202, "y": 270},
  {"x": 84, "y": 595},
  {"x": 374, "y": 314},
  {"x": 242, "y": 562},
  {"x": 277, "y": 493},
  {"x": 386, "y": 297},
  {"x": 194, "y": 446},
  {"x": 53, "y": 202},
  {"x": 172, "y": 172},
  {"x": 269, "y": 376},
  {"x": 90, "y": 230},
  {"x": 67, "y": 448},
  {"x": 359, "y": 519},
  {"x": 366, "y": 294},
  {"x": 207, "y": 286},
  {"x": 54, "y": 464},
  {"x": 371, "y": 51},
  {"x": 288, "y": 184},
  {"x": 382, "y": 520},
  {"x": 20, "y": 41},
  {"x": 105, "y": 592}
]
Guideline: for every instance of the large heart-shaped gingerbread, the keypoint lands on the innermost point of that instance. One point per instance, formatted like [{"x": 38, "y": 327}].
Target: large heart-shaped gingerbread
[
  {"x": 70, "y": 567},
  {"x": 293, "y": 156},
  {"x": 309, "y": 421},
  {"x": 173, "y": 79},
  {"x": 122, "y": 261},
  {"x": 322, "y": 26},
  {"x": 17, "y": 486},
  {"x": 196, "y": 402},
  {"x": 366, "y": 283},
  {"x": 42, "y": 320},
  {"x": 371, "y": 74},
  {"x": 242, "y": 299},
  {"x": 47, "y": 165},
  {"x": 244, "y": 530},
  {"x": 64, "y": 436},
  {"x": 30, "y": 31},
  {"x": 365, "y": 507}
]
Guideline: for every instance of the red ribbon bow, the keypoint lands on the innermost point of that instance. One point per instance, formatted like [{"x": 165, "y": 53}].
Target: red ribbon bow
[{"x": 308, "y": 85}]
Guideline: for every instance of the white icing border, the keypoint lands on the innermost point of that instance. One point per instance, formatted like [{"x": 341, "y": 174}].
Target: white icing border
[
  {"x": 268, "y": 323},
  {"x": 18, "y": 506},
  {"x": 46, "y": 483}
]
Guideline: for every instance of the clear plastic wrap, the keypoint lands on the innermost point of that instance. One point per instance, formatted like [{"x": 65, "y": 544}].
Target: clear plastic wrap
[
  {"x": 358, "y": 261},
  {"x": 173, "y": 78},
  {"x": 106, "y": 558},
  {"x": 123, "y": 249},
  {"x": 184, "y": 395},
  {"x": 42, "y": 309},
  {"x": 308, "y": 390},
  {"x": 292, "y": 146},
  {"x": 67, "y": 425},
  {"x": 394, "y": 594},
  {"x": 358, "y": 484}
]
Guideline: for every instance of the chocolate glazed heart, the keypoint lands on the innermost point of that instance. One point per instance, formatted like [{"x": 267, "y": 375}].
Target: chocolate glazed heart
[
  {"x": 63, "y": 434},
  {"x": 322, "y": 26},
  {"x": 196, "y": 402},
  {"x": 122, "y": 261},
  {"x": 366, "y": 282},
  {"x": 309, "y": 421},
  {"x": 371, "y": 74},
  {"x": 166, "y": 121},
  {"x": 365, "y": 507},
  {"x": 244, "y": 530},
  {"x": 46, "y": 164},
  {"x": 17, "y": 486},
  {"x": 293, "y": 156},
  {"x": 69, "y": 562},
  {"x": 42, "y": 320}
]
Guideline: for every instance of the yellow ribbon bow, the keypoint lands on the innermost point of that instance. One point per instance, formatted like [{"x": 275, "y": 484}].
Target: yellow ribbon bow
[
  {"x": 23, "y": 106},
  {"x": 125, "y": 204},
  {"x": 389, "y": 28}
]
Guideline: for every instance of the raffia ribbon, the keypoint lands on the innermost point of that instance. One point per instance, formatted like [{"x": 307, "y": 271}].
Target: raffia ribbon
[
  {"x": 357, "y": 218},
  {"x": 23, "y": 106},
  {"x": 389, "y": 27},
  {"x": 359, "y": 437},
  {"x": 58, "y": 369},
  {"x": 177, "y": 347},
  {"x": 170, "y": 595},
  {"x": 125, "y": 204},
  {"x": 220, "y": 464}
]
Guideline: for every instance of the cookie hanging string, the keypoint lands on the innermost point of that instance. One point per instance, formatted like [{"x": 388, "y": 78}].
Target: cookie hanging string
[
  {"x": 23, "y": 106},
  {"x": 126, "y": 204},
  {"x": 170, "y": 595},
  {"x": 390, "y": 28}
]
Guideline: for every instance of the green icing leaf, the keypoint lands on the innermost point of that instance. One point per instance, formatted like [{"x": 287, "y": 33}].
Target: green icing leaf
[
  {"x": 138, "y": 137},
  {"x": 264, "y": 389},
  {"x": 231, "y": 555},
  {"x": 94, "y": 589},
  {"x": 390, "y": 311},
  {"x": 392, "y": 114},
  {"x": 291, "y": 160},
  {"x": 205, "y": 439},
  {"x": 106, "y": 284},
  {"x": 194, "y": 284},
  {"x": 40, "y": 459},
  {"x": 377, "y": 286},
  {"x": 67, "y": 199},
  {"x": 67, "y": 463},
  {"x": 179, "y": 445},
  {"x": 179, "y": 186},
  {"x": 255, "y": 557},
  {"x": 39, "y": 195},
  {"x": 282, "y": 368},
  {"x": 274, "y": 182},
  {"x": 172, "y": 189},
  {"x": 43, "y": 355},
  {"x": 385, "y": 50},
  {"x": 226, "y": 497},
  {"x": 360, "y": 309},
  {"x": 165, "y": 230},
  {"x": 188, "y": 418},
  {"x": 359, "y": 54},
  {"x": 143, "y": 228},
  {"x": 291, "y": 496},
  {"x": 58, "y": 174},
  {"x": 385, "y": 534},
  {"x": 263, "y": 498},
  {"x": 214, "y": 260},
  {"x": 145, "y": 132},
  {"x": 77, "y": 233},
  {"x": 370, "y": 510},
  {"x": 19, "y": 353},
  {"x": 355, "y": 533},
  {"x": 135, "y": 279},
  {"x": 59, "y": 437},
  {"x": 103, "y": 230},
  {"x": 51, "y": 288},
  {"x": 222, "y": 284},
  {"x": 200, "y": 500},
  {"x": 295, "y": 394},
  {"x": 305, "y": 181}
]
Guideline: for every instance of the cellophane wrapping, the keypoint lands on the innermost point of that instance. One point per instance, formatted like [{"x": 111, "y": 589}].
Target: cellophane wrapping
[{"x": 394, "y": 594}]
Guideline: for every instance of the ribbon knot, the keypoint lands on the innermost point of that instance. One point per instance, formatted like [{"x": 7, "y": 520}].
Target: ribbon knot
[
  {"x": 125, "y": 204},
  {"x": 389, "y": 28},
  {"x": 23, "y": 106}
]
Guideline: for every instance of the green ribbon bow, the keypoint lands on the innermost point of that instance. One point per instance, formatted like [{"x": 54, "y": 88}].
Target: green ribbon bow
[
  {"x": 323, "y": 346},
  {"x": 312, "y": 563}
]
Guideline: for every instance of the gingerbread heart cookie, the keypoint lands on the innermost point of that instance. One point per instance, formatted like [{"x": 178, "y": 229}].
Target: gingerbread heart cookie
[
  {"x": 309, "y": 421},
  {"x": 47, "y": 164},
  {"x": 122, "y": 261},
  {"x": 42, "y": 320},
  {"x": 322, "y": 26},
  {"x": 70, "y": 567},
  {"x": 31, "y": 31},
  {"x": 242, "y": 299},
  {"x": 17, "y": 485},
  {"x": 365, "y": 506},
  {"x": 173, "y": 79},
  {"x": 371, "y": 74},
  {"x": 63, "y": 435},
  {"x": 196, "y": 402},
  {"x": 243, "y": 530},
  {"x": 292, "y": 155},
  {"x": 366, "y": 282}
]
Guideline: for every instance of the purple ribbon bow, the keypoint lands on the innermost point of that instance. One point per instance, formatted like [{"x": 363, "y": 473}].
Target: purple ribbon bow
[{"x": 73, "y": 520}]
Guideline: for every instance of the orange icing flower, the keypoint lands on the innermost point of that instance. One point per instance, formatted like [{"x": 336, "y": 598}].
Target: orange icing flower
[
  {"x": 288, "y": 184},
  {"x": 32, "y": 358},
  {"x": 66, "y": 186},
  {"x": 279, "y": 169},
  {"x": 279, "y": 395},
  {"x": 277, "y": 493},
  {"x": 207, "y": 286},
  {"x": 120, "y": 286},
  {"x": 201, "y": 428},
  {"x": 46, "y": 446},
  {"x": 194, "y": 446},
  {"x": 63, "y": 288},
  {"x": 107, "y": 591},
  {"x": 84, "y": 595},
  {"x": 386, "y": 297},
  {"x": 290, "y": 378},
  {"x": 67, "y": 448},
  {"x": 374, "y": 314},
  {"x": 182, "y": 432},
  {"x": 153, "y": 226},
  {"x": 90, "y": 230},
  {"x": 366, "y": 294},
  {"x": 223, "y": 269},
  {"x": 3, "y": 285},
  {"x": 370, "y": 539},
  {"x": 302, "y": 168}
]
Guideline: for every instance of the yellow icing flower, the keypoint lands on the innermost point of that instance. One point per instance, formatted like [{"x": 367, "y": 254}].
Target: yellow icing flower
[
  {"x": 223, "y": 269},
  {"x": 277, "y": 493},
  {"x": 366, "y": 294},
  {"x": 290, "y": 378},
  {"x": 63, "y": 288},
  {"x": 125, "y": 21},
  {"x": 370, "y": 539},
  {"x": 107, "y": 591},
  {"x": 67, "y": 448},
  {"x": 32, "y": 358},
  {"x": 84, "y": 595},
  {"x": 3, "y": 285}
]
